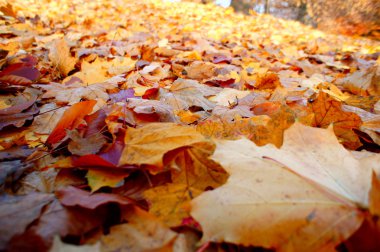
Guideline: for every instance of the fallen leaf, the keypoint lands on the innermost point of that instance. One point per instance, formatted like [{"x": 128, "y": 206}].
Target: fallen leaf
[
  {"x": 143, "y": 232},
  {"x": 295, "y": 214},
  {"x": 267, "y": 81},
  {"x": 148, "y": 144},
  {"x": 17, "y": 212},
  {"x": 163, "y": 111},
  {"x": 374, "y": 195},
  {"x": 186, "y": 93},
  {"x": 108, "y": 177},
  {"x": 71, "y": 196},
  {"x": 171, "y": 202},
  {"x": 59, "y": 246},
  {"x": 362, "y": 82},
  {"x": 20, "y": 109},
  {"x": 228, "y": 96},
  {"x": 329, "y": 111},
  {"x": 199, "y": 70},
  {"x": 325, "y": 161},
  {"x": 57, "y": 220},
  {"x": 259, "y": 129},
  {"x": 75, "y": 92},
  {"x": 84, "y": 145},
  {"x": 59, "y": 54},
  {"x": 192, "y": 173},
  {"x": 71, "y": 118}
]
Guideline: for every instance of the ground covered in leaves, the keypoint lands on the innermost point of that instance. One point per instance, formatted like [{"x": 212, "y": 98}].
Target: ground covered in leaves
[{"x": 156, "y": 126}]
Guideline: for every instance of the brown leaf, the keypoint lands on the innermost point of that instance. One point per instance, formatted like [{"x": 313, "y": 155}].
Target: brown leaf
[
  {"x": 72, "y": 196},
  {"x": 57, "y": 220},
  {"x": 187, "y": 93},
  {"x": 17, "y": 212},
  {"x": 329, "y": 111},
  {"x": 84, "y": 145}
]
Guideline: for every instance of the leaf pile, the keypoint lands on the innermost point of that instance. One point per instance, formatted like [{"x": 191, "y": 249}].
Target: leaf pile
[{"x": 158, "y": 126}]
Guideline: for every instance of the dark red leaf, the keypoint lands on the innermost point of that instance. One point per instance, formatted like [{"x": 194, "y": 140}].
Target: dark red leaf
[
  {"x": 91, "y": 160},
  {"x": 23, "y": 70},
  {"x": 108, "y": 158},
  {"x": 95, "y": 123}
]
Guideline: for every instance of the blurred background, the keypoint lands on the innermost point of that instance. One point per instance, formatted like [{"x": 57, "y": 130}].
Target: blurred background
[{"x": 349, "y": 17}]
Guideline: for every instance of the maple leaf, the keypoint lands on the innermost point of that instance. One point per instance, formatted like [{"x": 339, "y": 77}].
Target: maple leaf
[
  {"x": 59, "y": 54},
  {"x": 21, "y": 109},
  {"x": 100, "y": 70},
  {"x": 143, "y": 232},
  {"x": 328, "y": 111},
  {"x": 260, "y": 129},
  {"x": 163, "y": 111},
  {"x": 71, "y": 196},
  {"x": 57, "y": 220},
  {"x": 187, "y": 93},
  {"x": 14, "y": 219},
  {"x": 362, "y": 82},
  {"x": 199, "y": 70},
  {"x": 295, "y": 213},
  {"x": 229, "y": 96},
  {"x": 267, "y": 81},
  {"x": 81, "y": 146},
  {"x": 98, "y": 178},
  {"x": 73, "y": 93},
  {"x": 171, "y": 202},
  {"x": 192, "y": 173},
  {"x": 71, "y": 118},
  {"x": 49, "y": 116},
  {"x": 141, "y": 144},
  {"x": 21, "y": 73}
]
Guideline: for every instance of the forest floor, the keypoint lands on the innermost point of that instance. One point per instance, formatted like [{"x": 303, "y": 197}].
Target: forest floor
[{"x": 157, "y": 126}]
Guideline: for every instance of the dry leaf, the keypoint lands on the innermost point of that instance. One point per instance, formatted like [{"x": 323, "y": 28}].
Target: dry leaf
[
  {"x": 329, "y": 111},
  {"x": 148, "y": 144},
  {"x": 143, "y": 232},
  {"x": 295, "y": 214},
  {"x": 59, "y": 54}
]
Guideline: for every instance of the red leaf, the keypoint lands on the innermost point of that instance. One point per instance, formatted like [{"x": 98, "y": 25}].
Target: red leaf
[
  {"x": 21, "y": 69},
  {"x": 92, "y": 160},
  {"x": 150, "y": 93},
  {"x": 72, "y": 196},
  {"x": 70, "y": 120},
  {"x": 109, "y": 158},
  {"x": 15, "y": 80}
]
